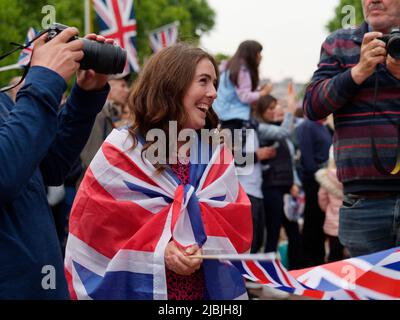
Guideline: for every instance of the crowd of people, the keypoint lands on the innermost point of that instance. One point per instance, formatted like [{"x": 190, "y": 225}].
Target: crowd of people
[{"x": 79, "y": 190}]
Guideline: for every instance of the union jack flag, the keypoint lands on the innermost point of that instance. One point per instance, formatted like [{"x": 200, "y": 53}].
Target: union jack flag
[
  {"x": 164, "y": 37},
  {"x": 25, "y": 56},
  {"x": 117, "y": 21},
  {"x": 125, "y": 214},
  {"x": 375, "y": 276}
]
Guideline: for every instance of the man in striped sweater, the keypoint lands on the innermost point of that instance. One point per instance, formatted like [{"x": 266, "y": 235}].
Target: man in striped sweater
[{"x": 344, "y": 84}]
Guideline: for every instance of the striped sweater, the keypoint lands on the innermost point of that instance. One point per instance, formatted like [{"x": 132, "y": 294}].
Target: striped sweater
[{"x": 332, "y": 90}]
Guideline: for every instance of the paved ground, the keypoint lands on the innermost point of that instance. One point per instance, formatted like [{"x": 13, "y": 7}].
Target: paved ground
[{"x": 273, "y": 294}]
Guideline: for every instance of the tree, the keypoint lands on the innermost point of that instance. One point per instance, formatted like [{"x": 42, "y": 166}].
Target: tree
[
  {"x": 342, "y": 12},
  {"x": 195, "y": 18},
  {"x": 219, "y": 57},
  {"x": 16, "y": 16}
]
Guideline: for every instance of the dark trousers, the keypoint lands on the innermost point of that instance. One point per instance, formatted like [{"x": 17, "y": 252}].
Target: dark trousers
[
  {"x": 313, "y": 233},
  {"x": 257, "y": 214},
  {"x": 275, "y": 218},
  {"x": 335, "y": 249}
]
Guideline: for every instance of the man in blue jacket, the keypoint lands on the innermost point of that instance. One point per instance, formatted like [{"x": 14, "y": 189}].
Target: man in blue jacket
[{"x": 38, "y": 146}]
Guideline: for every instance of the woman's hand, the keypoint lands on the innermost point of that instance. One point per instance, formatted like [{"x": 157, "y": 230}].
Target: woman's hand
[
  {"x": 265, "y": 153},
  {"x": 266, "y": 89},
  {"x": 292, "y": 106},
  {"x": 177, "y": 260}
]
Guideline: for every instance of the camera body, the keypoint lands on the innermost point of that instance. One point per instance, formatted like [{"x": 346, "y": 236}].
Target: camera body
[
  {"x": 100, "y": 56},
  {"x": 392, "y": 41}
]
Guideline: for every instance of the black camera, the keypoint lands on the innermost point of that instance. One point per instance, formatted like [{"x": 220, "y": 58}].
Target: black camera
[
  {"x": 392, "y": 41},
  {"x": 100, "y": 56}
]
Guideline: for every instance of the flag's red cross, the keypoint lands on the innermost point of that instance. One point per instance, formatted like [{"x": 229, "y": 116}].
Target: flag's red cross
[
  {"x": 164, "y": 39},
  {"x": 121, "y": 28},
  {"x": 27, "y": 50}
]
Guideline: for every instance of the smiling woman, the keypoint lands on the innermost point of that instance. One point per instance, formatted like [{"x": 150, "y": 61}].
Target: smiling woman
[
  {"x": 152, "y": 216},
  {"x": 200, "y": 95},
  {"x": 179, "y": 85}
]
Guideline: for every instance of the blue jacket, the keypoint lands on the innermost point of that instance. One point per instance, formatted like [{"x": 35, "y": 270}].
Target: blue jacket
[
  {"x": 38, "y": 146},
  {"x": 228, "y": 105},
  {"x": 314, "y": 141}
]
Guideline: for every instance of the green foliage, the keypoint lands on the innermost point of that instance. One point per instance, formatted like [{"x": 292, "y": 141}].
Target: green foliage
[
  {"x": 16, "y": 16},
  {"x": 219, "y": 57},
  {"x": 336, "y": 22},
  {"x": 195, "y": 18}
]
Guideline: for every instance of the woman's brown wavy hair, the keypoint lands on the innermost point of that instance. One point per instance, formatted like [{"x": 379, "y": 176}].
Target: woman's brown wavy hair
[{"x": 157, "y": 95}]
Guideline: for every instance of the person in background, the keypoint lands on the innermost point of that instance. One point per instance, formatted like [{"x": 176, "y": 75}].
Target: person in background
[
  {"x": 355, "y": 63},
  {"x": 126, "y": 117},
  {"x": 279, "y": 176},
  {"x": 239, "y": 84},
  {"x": 330, "y": 198},
  {"x": 314, "y": 140},
  {"x": 108, "y": 119},
  {"x": 238, "y": 89}
]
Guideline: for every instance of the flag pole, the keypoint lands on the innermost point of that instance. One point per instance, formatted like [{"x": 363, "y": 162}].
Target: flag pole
[
  {"x": 236, "y": 257},
  {"x": 10, "y": 67},
  {"x": 87, "y": 17}
]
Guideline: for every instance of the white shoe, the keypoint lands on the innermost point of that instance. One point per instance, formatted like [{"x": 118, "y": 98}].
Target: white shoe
[{"x": 272, "y": 293}]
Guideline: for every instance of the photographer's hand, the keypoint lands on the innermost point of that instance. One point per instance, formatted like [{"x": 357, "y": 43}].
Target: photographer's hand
[
  {"x": 89, "y": 80},
  {"x": 373, "y": 52},
  {"x": 393, "y": 66},
  {"x": 58, "y": 54}
]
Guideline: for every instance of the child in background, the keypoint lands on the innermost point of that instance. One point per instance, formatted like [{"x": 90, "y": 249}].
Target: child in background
[{"x": 330, "y": 198}]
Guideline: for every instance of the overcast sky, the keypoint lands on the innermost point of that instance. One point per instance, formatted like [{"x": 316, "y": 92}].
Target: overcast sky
[{"x": 291, "y": 32}]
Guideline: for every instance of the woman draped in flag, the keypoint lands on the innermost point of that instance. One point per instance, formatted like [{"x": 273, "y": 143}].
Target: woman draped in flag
[{"x": 149, "y": 201}]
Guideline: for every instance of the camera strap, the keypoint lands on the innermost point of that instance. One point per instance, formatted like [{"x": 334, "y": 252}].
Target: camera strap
[
  {"x": 21, "y": 47},
  {"x": 378, "y": 164}
]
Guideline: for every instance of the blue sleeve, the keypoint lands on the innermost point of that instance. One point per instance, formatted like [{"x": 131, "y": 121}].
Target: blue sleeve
[
  {"x": 75, "y": 122},
  {"x": 27, "y": 132},
  {"x": 273, "y": 132}
]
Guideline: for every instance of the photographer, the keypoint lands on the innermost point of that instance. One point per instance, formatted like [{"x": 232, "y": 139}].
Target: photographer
[
  {"x": 37, "y": 149},
  {"x": 359, "y": 83}
]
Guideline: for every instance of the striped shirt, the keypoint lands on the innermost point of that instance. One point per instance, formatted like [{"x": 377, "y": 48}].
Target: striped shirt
[{"x": 332, "y": 90}]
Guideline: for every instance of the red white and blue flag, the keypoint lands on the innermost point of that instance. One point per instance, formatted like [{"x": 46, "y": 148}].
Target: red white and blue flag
[
  {"x": 25, "y": 56},
  {"x": 370, "y": 277},
  {"x": 117, "y": 21},
  {"x": 125, "y": 213},
  {"x": 164, "y": 37}
]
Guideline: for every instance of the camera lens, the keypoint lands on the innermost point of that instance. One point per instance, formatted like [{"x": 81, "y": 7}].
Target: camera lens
[
  {"x": 393, "y": 47},
  {"x": 103, "y": 57}
]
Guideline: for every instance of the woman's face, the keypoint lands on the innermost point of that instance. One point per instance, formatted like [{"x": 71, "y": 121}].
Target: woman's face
[
  {"x": 200, "y": 95},
  {"x": 269, "y": 113}
]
